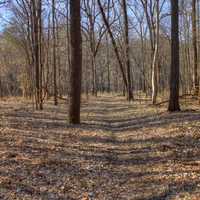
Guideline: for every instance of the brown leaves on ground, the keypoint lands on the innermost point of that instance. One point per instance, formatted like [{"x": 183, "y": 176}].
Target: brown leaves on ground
[{"x": 120, "y": 151}]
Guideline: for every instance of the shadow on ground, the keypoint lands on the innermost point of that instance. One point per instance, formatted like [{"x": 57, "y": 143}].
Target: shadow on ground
[{"x": 116, "y": 153}]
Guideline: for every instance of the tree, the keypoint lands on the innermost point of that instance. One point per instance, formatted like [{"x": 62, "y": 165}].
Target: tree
[
  {"x": 95, "y": 32},
  {"x": 156, "y": 55},
  {"x": 54, "y": 55},
  {"x": 124, "y": 49},
  {"x": 127, "y": 50},
  {"x": 194, "y": 41},
  {"x": 36, "y": 31},
  {"x": 76, "y": 62},
  {"x": 174, "y": 74},
  {"x": 114, "y": 44},
  {"x": 153, "y": 26}
]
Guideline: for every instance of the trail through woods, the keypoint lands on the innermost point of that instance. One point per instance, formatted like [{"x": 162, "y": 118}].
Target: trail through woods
[{"x": 121, "y": 151}]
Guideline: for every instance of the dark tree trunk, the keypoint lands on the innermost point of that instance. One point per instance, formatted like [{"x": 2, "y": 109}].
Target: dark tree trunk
[
  {"x": 76, "y": 63},
  {"x": 36, "y": 59},
  {"x": 174, "y": 78}
]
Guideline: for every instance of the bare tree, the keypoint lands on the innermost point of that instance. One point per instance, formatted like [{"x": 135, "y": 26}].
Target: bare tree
[{"x": 116, "y": 50}]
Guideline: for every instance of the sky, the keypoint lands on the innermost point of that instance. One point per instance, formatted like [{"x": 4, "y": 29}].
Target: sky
[{"x": 5, "y": 15}]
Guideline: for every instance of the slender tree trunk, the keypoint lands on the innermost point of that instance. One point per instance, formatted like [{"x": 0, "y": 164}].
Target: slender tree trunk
[
  {"x": 174, "y": 75},
  {"x": 68, "y": 47},
  {"x": 94, "y": 76},
  {"x": 113, "y": 43},
  {"x": 194, "y": 41},
  {"x": 76, "y": 62},
  {"x": 156, "y": 57},
  {"x": 108, "y": 63},
  {"x": 36, "y": 60},
  {"x": 143, "y": 59},
  {"x": 127, "y": 51},
  {"x": 93, "y": 56},
  {"x": 47, "y": 60},
  {"x": 58, "y": 63},
  {"x": 40, "y": 54},
  {"x": 54, "y": 55}
]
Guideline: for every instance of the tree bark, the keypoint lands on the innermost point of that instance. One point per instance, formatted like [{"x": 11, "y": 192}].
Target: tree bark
[
  {"x": 54, "y": 55},
  {"x": 127, "y": 51},
  {"x": 194, "y": 41},
  {"x": 76, "y": 62},
  {"x": 156, "y": 57},
  {"x": 174, "y": 74}
]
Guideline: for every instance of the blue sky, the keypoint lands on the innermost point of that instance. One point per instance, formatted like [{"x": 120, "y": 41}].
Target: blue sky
[{"x": 5, "y": 15}]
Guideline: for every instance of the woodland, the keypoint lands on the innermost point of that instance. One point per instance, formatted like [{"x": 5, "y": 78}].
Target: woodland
[{"x": 99, "y": 99}]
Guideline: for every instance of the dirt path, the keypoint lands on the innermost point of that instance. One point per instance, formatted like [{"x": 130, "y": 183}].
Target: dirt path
[{"x": 121, "y": 151}]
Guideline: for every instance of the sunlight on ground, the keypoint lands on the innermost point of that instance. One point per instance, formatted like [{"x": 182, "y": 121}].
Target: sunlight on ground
[{"x": 120, "y": 151}]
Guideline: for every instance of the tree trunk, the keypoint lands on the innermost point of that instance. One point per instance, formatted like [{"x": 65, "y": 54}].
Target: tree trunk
[
  {"x": 127, "y": 50},
  {"x": 174, "y": 74},
  {"x": 113, "y": 43},
  {"x": 76, "y": 62},
  {"x": 54, "y": 56},
  {"x": 194, "y": 41},
  {"x": 108, "y": 63},
  {"x": 40, "y": 54},
  {"x": 156, "y": 57},
  {"x": 36, "y": 60}
]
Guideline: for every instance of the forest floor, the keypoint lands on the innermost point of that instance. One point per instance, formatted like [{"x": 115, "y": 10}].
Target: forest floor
[{"x": 121, "y": 151}]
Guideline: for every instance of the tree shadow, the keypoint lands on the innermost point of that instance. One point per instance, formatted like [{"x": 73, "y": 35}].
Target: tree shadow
[
  {"x": 111, "y": 167},
  {"x": 114, "y": 166},
  {"x": 136, "y": 123}
]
